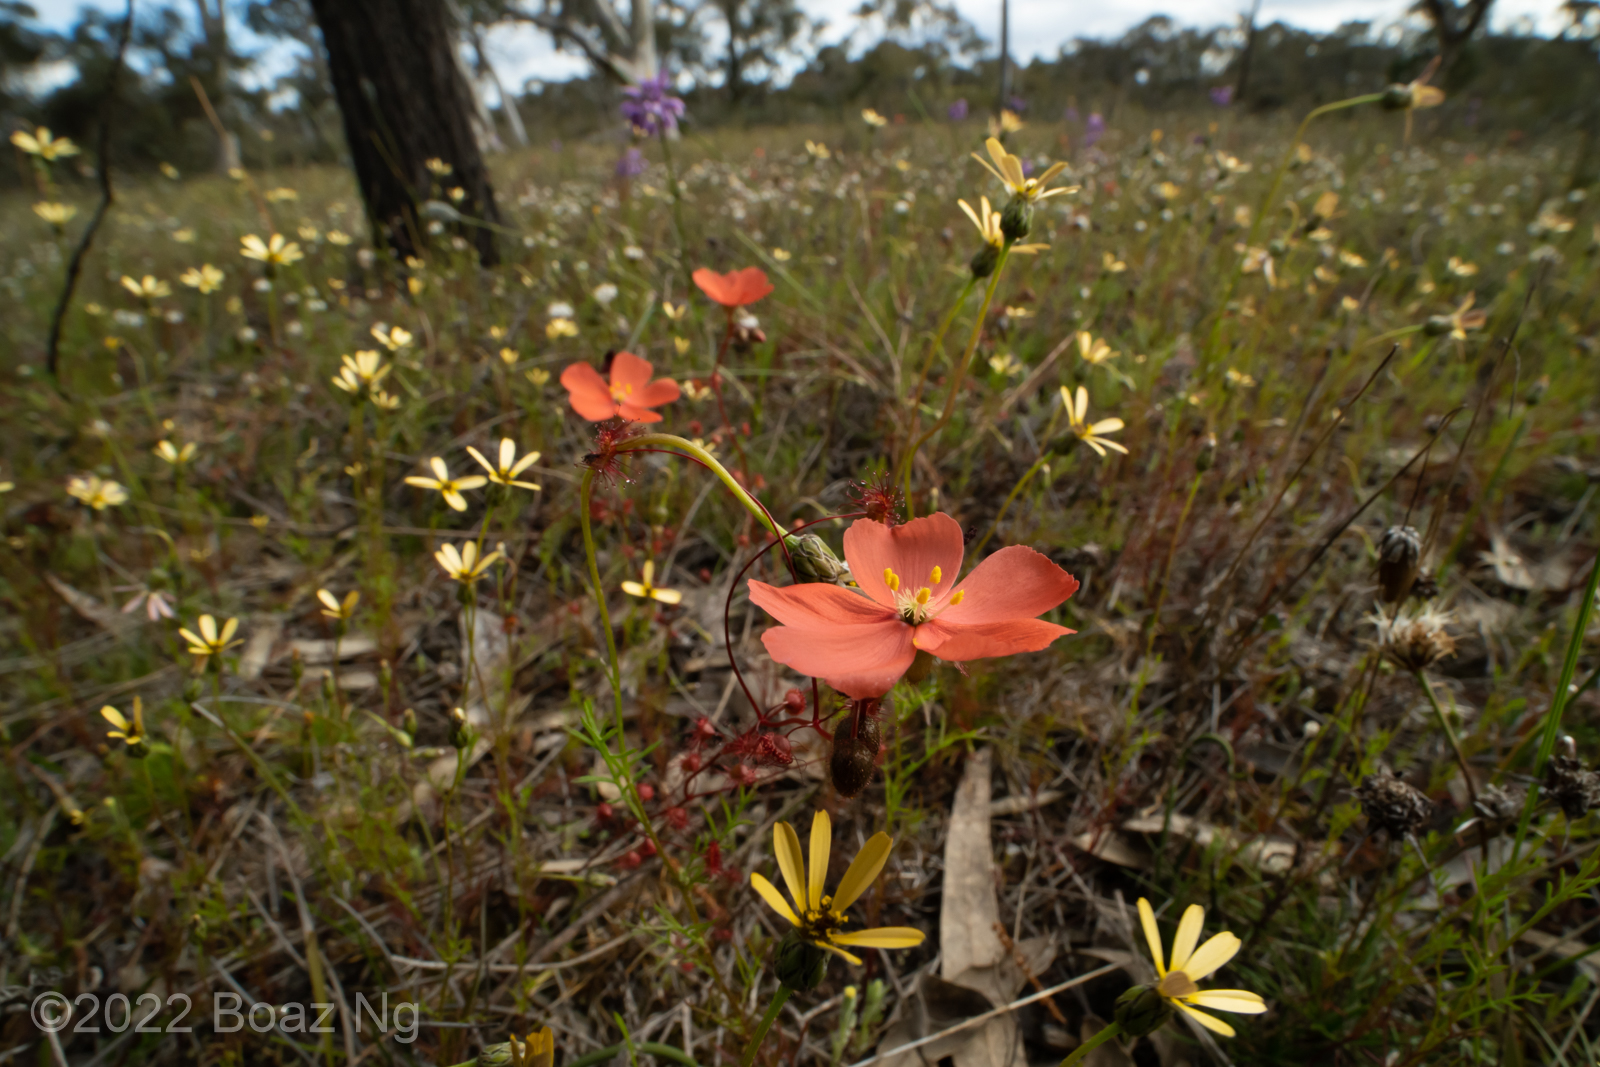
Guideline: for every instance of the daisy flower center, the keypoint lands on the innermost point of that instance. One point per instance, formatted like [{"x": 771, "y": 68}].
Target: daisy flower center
[{"x": 918, "y": 607}]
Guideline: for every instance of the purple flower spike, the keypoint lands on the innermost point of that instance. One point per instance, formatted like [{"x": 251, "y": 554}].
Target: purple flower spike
[
  {"x": 1222, "y": 95},
  {"x": 631, "y": 165},
  {"x": 1093, "y": 130},
  {"x": 958, "y": 110},
  {"x": 649, "y": 109}
]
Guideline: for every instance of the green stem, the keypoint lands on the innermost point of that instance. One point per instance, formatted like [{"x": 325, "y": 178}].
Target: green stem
[
  {"x": 1080, "y": 1053},
  {"x": 750, "y": 1050},
  {"x": 667, "y": 440},
  {"x": 1449, "y": 732},
  {"x": 1266, "y": 209},
  {"x": 903, "y": 474},
  {"x": 1552, "y": 722},
  {"x": 677, "y": 197},
  {"x": 1166, "y": 571},
  {"x": 613, "y": 669},
  {"x": 960, "y": 375}
]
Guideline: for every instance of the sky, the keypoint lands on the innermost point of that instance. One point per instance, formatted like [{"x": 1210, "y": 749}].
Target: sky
[{"x": 1038, "y": 27}]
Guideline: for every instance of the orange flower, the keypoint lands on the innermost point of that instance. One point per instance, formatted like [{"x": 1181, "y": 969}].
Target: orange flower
[
  {"x": 630, "y": 393},
  {"x": 734, "y": 289}
]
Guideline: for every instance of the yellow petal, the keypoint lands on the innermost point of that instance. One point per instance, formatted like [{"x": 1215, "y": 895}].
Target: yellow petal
[
  {"x": 208, "y": 629},
  {"x": 475, "y": 454},
  {"x": 988, "y": 168},
  {"x": 542, "y": 1048},
  {"x": 838, "y": 952},
  {"x": 1152, "y": 936},
  {"x": 440, "y": 471},
  {"x": 1194, "y": 917},
  {"x": 455, "y": 500},
  {"x": 634, "y": 589},
  {"x": 1050, "y": 172},
  {"x": 114, "y": 717},
  {"x": 421, "y": 482},
  {"x": 229, "y": 628},
  {"x": 471, "y": 481},
  {"x": 1211, "y": 955},
  {"x": 668, "y": 596},
  {"x": 1104, "y": 426},
  {"x": 1107, "y": 442},
  {"x": 863, "y": 871},
  {"x": 1238, "y": 1001},
  {"x": 1210, "y": 1022},
  {"x": 791, "y": 862},
  {"x": 770, "y": 894},
  {"x": 997, "y": 152},
  {"x": 821, "y": 845},
  {"x": 973, "y": 215},
  {"x": 882, "y": 937},
  {"x": 191, "y": 637}
]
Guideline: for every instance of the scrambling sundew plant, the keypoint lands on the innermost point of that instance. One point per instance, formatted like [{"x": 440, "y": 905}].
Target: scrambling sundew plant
[{"x": 1214, "y": 524}]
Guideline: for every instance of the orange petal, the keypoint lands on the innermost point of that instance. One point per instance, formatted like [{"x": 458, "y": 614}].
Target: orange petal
[
  {"x": 959, "y": 642},
  {"x": 912, "y": 551},
  {"x": 1014, "y": 583},
  {"x": 858, "y": 661},
  {"x": 590, "y": 395}
]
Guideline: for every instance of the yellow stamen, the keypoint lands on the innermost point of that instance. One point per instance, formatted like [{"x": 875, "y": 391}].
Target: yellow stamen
[
  {"x": 924, "y": 595},
  {"x": 891, "y": 579},
  {"x": 935, "y": 576},
  {"x": 957, "y": 597}
]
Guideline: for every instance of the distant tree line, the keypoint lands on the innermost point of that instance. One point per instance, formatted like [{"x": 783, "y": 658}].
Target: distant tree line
[{"x": 745, "y": 62}]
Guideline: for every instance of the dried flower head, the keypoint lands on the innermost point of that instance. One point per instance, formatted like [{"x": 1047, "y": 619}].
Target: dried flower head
[
  {"x": 1393, "y": 805},
  {"x": 1415, "y": 640},
  {"x": 1573, "y": 787}
]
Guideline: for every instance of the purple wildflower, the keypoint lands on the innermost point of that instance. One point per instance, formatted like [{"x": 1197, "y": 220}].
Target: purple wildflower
[
  {"x": 1071, "y": 114},
  {"x": 1222, "y": 95},
  {"x": 1017, "y": 104},
  {"x": 631, "y": 165},
  {"x": 958, "y": 110},
  {"x": 649, "y": 109},
  {"x": 1093, "y": 130}
]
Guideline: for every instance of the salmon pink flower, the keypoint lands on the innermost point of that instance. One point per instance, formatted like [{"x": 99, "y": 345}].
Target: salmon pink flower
[
  {"x": 734, "y": 289},
  {"x": 861, "y": 645},
  {"x": 630, "y": 393}
]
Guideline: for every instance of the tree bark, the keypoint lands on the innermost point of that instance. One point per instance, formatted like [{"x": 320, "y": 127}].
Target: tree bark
[{"x": 404, "y": 101}]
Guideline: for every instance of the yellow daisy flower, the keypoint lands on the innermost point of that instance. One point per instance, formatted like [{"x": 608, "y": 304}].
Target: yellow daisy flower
[
  {"x": 1008, "y": 168},
  {"x": 1091, "y": 434},
  {"x": 44, "y": 144},
  {"x": 448, "y": 487},
  {"x": 464, "y": 565},
  {"x": 96, "y": 492},
  {"x": 334, "y": 608},
  {"x": 129, "y": 732},
  {"x": 1189, "y": 965},
  {"x": 206, "y": 278},
  {"x": 275, "y": 251},
  {"x": 210, "y": 641},
  {"x": 987, "y": 220},
  {"x": 819, "y": 918},
  {"x": 509, "y": 466},
  {"x": 647, "y": 589}
]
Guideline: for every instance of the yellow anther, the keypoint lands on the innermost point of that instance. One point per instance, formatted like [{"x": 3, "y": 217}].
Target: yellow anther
[
  {"x": 924, "y": 595},
  {"x": 935, "y": 576},
  {"x": 891, "y": 579},
  {"x": 957, "y": 597}
]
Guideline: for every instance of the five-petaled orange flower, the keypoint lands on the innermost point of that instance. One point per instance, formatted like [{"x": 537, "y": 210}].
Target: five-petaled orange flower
[
  {"x": 734, "y": 289},
  {"x": 861, "y": 645},
  {"x": 630, "y": 393}
]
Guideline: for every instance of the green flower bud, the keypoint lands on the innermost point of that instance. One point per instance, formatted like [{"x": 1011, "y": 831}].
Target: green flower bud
[
  {"x": 1396, "y": 98},
  {"x": 1437, "y": 326},
  {"x": 983, "y": 263},
  {"x": 495, "y": 1055},
  {"x": 137, "y": 748},
  {"x": 1016, "y": 221},
  {"x": 460, "y": 730},
  {"x": 1142, "y": 1010},
  {"x": 799, "y": 964},
  {"x": 814, "y": 561},
  {"x": 408, "y": 722}
]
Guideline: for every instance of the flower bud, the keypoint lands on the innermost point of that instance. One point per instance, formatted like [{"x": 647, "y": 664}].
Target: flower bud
[
  {"x": 854, "y": 759},
  {"x": 408, "y": 722},
  {"x": 137, "y": 748},
  {"x": 1016, "y": 221},
  {"x": 495, "y": 1055},
  {"x": 799, "y": 965},
  {"x": 1207, "y": 456},
  {"x": 1396, "y": 98},
  {"x": 983, "y": 262},
  {"x": 1437, "y": 326},
  {"x": 1141, "y": 1010},
  {"x": 1399, "y": 549},
  {"x": 460, "y": 731},
  {"x": 814, "y": 561}
]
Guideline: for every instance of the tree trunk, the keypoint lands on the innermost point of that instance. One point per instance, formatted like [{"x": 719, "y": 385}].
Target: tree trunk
[
  {"x": 1243, "y": 83},
  {"x": 404, "y": 102},
  {"x": 644, "y": 39},
  {"x": 1005, "y": 57},
  {"x": 730, "y": 9}
]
